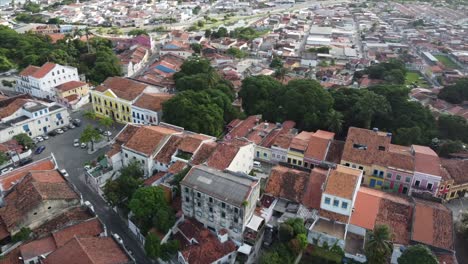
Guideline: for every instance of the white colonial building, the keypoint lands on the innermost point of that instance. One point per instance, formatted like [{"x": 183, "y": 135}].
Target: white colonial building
[
  {"x": 32, "y": 117},
  {"x": 41, "y": 81}
]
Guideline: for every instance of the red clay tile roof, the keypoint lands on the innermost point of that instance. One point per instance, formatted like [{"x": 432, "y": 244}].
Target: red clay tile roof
[
  {"x": 369, "y": 153},
  {"x": 457, "y": 169},
  {"x": 287, "y": 183},
  {"x": 43, "y": 70},
  {"x": 36, "y": 248},
  {"x": 11, "y": 178},
  {"x": 89, "y": 250},
  {"x": 71, "y": 98},
  {"x": 152, "y": 101},
  {"x": 28, "y": 71},
  {"x": 283, "y": 141},
  {"x": 122, "y": 87},
  {"x": 70, "y": 85},
  {"x": 148, "y": 138},
  {"x": 13, "y": 257},
  {"x": 318, "y": 145},
  {"x": 366, "y": 208},
  {"x": 432, "y": 224},
  {"x": 177, "y": 167},
  {"x": 154, "y": 178},
  {"x": 89, "y": 228},
  {"x": 426, "y": 160},
  {"x": 301, "y": 140},
  {"x": 242, "y": 128},
  {"x": 335, "y": 151},
  {"x": 166, "y": 152},
  {"x": 12, "y": 107},
  {"x": 396, "y": 212},
  {"x": 70, "y": 217},
  {"x": 342, "y": 182},
  {"x": 208, "y": 249},
  {"x": 313, "y": 193},
  {"x": 224, "y": 153},
  {"x": 190, "y": 143},
  {"x": 333, "y": 216},
  {"x": 31, "y": 191},
  {"x": 203, "y": 153}
]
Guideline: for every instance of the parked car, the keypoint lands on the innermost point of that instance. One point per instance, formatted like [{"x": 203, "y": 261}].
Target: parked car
[
  {"x": 39, "y": 150},
  {"x": 52, "y": 133},
  {"x": 59, "y": 131},
  {"x": 76, "y": 122},
  {"x": 6, "y": 170},
  {"x": 100, "y": 130},
  {"x": 64, "y": 173},
  {"x": 84, "y": 145},
  {"x": 65, "y": 129},
  {"x": 45, "y": 137},
  {"x": 71, "y": 126},
  {"x": 39, "y": 139},
  {"x": 117, "y": 237},
  {"x": 76, "y": 143},
  {"x": 25, "y": 161},
  {"x": 108, "y": 133}
]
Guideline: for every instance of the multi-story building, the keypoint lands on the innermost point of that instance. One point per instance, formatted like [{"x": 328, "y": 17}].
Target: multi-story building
[
  {"x": 41, "y": 81},
  {"x": 147, "y": 108},
  {"x": 116, "y": 96},
  {"x": 71, "y": 91},
  {"x": 234, "y": 155},
  {"x": 33, "y": 117},
  {"x": 220, "y": 200}
]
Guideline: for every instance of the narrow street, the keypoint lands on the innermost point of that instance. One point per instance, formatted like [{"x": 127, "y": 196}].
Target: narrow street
[{"x": 73, "y": 159}]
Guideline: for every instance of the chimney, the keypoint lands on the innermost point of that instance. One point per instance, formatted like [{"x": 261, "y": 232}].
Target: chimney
[{"x": 223, "y": 235}]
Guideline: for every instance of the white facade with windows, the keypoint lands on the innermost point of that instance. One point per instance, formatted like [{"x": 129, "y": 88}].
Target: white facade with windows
[
  {"x": 41, "y": 81},
  {"x": 336, "y": 204},
  {"x": 144, "y": 116},
  {"x": 33, "y": 118}
]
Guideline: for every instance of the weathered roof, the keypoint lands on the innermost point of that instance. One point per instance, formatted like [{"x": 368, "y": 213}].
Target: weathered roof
[
  {"x": 70, "y": 85},
  {"x": 224, "y": 186},
  {"x": 342, "y": 182},
  {"x": 122, "y": 87},
  {"x": 148, "y": 138},
  {"x": 152, "y": 101}
]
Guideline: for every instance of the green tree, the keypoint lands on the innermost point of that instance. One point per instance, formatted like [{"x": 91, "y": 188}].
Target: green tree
[
  {"x": 417, "y": 254},
  {"x": 286, "y": 232},
  {"x": 152, "y": 246},
  {"x": 90, "y": 114},
  {"x": 32, "y": 7},
  {"x": 456, "y": 93},
  {"x": 5, "y": 64},
  {"x": 146, "y": 206},
  {"x": 271, "y": 258},
  {"x": 462, "y": 225},
  {"x": 90, "y": 134},
  {"x": 407, "y": 136},
  {"x": 276, "y": 62},
  {"x": 22, "y": 235},
  {"x": 169, "y": 249},
  {"x": 196, "y": 47},
  {"x": 3, "y": 158},
  {"x": 164, "y": 219},
  {"x": 208, "y": 33},
  {"x": 196, "y": 10},
  {"x": 280, "y": 73},
  {"x": 137, "y": 32},
  {"x": 119, "y": 191},
  {"x": 298, "y": 226},
  {"x": 235, "y": 52},
  {"x": 448, "y": 147},
  {"x": 453, "y": 127},
  {"x": 24, "y": 140},
  {"x": 335, "y": 121},
  {"x": 378, "y": 246},
  {"x": 106, "y": 121}
]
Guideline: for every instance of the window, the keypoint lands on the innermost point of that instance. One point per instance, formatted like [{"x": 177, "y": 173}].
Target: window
[
  {"x": 126, "y": 155},
  {"x": 306, "y": 164},
  {"x": 294, "y": 161},
  {"x": 381, "y": 173},
  {"x": 258, "y": 154},
  {"x": 211, "y": 209},
  {"x": 236, "y": 210},
  {"x": 198, "y": 194},
  {"x": 376, "y": 172},
  {"x": 398, "y": 177},
  {"x": 448, "y": 186},
  {"x": 416, "y": 183},
  {"x": 354, "y": 166},
  {"x": 187, "y": 199},
  {"x": 361, "y": 167},
  {"x": 344, "y": 205},
  {"x": 198, "y": 204},
  {"x": 429, "y": 186},
  {"x": 186, "y": 189},
  {"x": 49, "y": 207},
  {"x": 336, "y": 203},
  {"x": 389, "y": 175},
  {"x": 223, "y": 214},
  {"x": 360, "y": 146},
  {"x": 265, "y": 155},
  {"x": 408, "y": 179},
  {"x": 441, "y": 188},
  {"x": 347, "y": 164},
  {"x": 223, "y": 205},
  {"x": 382, "y": 148},
  {"x": 299, "y": 162},
  {"x": 327, "y": 200},
  {"x": 210, "y": 199}
]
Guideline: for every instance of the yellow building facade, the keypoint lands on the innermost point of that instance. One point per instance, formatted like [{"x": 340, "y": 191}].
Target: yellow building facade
[{"x": 109, "y": 104}]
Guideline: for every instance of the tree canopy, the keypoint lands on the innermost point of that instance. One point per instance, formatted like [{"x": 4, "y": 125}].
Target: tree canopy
[
  {"x": 24, "y": 140},
  {"x": 119, "y": 191},
  {"x": 378, "y": 246},
  {"x": 456, "y": 93},
  {"x": 417, "y": 254},
  {"x": 393, "y": 71}
]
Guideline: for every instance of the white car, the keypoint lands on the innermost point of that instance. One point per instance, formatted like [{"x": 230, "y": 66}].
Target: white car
[
  {"x": 117, "y": 237},
  {"x": 6, "y": 170},
  {"x": 59, "y": 131},
  {"x": 76, "y": 143},
  {"x": 83, "y": 145},
  {"x": 45, "y": 137},
  {"x": 108, "y": 133},
  {"x": 39, "y": 139},
  {"x": 64, "y": 173}
]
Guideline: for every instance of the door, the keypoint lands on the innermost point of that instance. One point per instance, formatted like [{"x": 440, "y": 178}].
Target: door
[{"x": 372, "y": 183}]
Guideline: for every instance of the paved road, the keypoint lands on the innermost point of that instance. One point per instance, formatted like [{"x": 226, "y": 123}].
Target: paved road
[
  {"x": 457, "y": 206},
  {"x": 73, "y": 159}
]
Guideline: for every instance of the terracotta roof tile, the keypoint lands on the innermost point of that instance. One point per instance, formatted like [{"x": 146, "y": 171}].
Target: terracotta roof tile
[
  {"x": 457, "y": 169},
  {"x": 11, "y": 178},
  {"x": 122, "y": 87},
  {"x": 313, "y": 193},
  {"x": 301, "y": 141},
  {"x": 70, "y": 217},
  {"x": 342, "y": 182},
  {"x": 190, "y": 143},
  {"x": 203, "y": 153},
  {"x": 154, "y": 178},
  {"x": 333, "y": 216},
  {"x": 166, "y": 152},
  {"x": 12, "y": 107},
  {"x": 152, "y": 101},
  {"x": 426, "y": 160},
  {"x": 89, "y": 250},
  {"x": 177, "y": 167},
  {"x": 224, "y": 153},
  {"x": 70, "y": 85},
  {"x": 243, "y": 127},
  {"x": 28, "y": 71},
  {"x": 283, "y": 141},
  {"x": 89, "y": 228},
  {"x": 13, "y": 257},
  {"x": 432, "y": 224},
  {"x": 287, "y": 183},
  {"x": 366, "y": 208},
  {"x": 37, "y": 247},
  {"x": 335, "y": 151},
  {"x": 148, "y": 138},
  {"x": 43, "y": 70},
  {"x": 208, "y": 249},
  {"x": 318, "y": 145}
]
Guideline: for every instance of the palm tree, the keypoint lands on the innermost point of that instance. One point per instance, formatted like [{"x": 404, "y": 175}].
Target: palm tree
[
  {"x": 378, "y": 246},
  {"x": 335, "y": 121}
]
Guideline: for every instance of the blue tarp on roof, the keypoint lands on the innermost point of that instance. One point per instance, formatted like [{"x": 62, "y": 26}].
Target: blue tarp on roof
[{"x": 164, "y": 69}]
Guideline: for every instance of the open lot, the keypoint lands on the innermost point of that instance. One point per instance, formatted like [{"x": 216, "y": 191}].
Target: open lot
[
  {"x": 447, "y": 61},
  {"x": 415, "y": 78}
]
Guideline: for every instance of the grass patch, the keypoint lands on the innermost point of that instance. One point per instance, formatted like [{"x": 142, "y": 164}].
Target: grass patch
[
  {"x": 414, "y": 78},
  {"x": 447, "y": 61}
]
